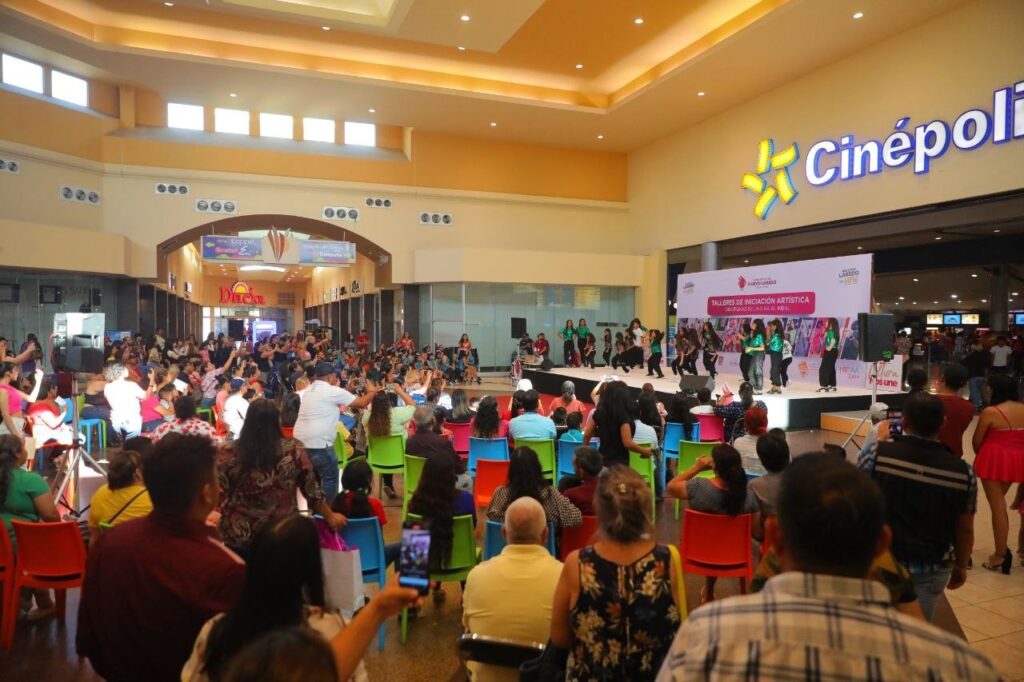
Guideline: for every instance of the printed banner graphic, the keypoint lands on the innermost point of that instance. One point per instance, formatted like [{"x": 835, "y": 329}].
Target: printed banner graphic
[{"x": 278, "y": 248}]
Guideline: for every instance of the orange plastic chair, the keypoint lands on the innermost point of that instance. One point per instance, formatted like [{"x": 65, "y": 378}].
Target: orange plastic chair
[
  {"x": 51, "y": 556},
  {"x": 718, "y": 545},
  {"x": 712, "y": 428},
  {"x": 490, "y": 474},
  {"x": 6, "y": 578},
  {"x": 460, "y": 436},
  {"x": 578, "y": 537},
  {"x": 220, "y": 428}
]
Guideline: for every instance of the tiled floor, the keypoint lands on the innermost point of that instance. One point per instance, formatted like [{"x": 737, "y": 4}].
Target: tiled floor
[{"x": 989, "y": 608}]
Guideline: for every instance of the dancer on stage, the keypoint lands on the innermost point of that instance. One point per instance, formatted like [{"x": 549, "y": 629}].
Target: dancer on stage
[
  {"x": 743, "y": 336},
  {"x": 756, "y": 349},
  {"x": 582, "y": 331},
  {"x": 711, "y": 345},
  {"x": 827, "y": 370},
  {"x": 775, "y": 345},
  {"x": 607, "y": 355},
  {"x": 568, "y": 335},
  {"x": 680, "y": 345},
  {"x": 654, "y": 362}
]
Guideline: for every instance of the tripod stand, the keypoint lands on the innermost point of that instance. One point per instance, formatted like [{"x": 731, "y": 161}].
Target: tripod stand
[
  {"x": 73, "y": 457},
  {"x": 873, "y": 375}
]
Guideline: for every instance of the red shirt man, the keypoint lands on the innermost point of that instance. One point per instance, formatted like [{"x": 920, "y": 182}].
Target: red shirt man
[
  {"x": 363, "y": 340},
  {"x": 541, "y": 346},
  {"x": 959, "y": 412}
]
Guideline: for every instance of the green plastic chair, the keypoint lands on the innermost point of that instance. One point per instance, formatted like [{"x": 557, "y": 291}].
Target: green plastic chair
[
  {"x": 341, "y": 452},
  {"x": 545, "y": 450},
  {"x": 464, "y": 557},
  {"x": 385, "y": 455},
  {"x": 411, "y": 480},
  {"x": 689, "y": 451},
  {"x": 205, "y": 413},
  {"x": 645, "y": 467}
]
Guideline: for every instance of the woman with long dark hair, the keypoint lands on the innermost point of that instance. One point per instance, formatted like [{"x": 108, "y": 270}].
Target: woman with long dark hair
[
  {"x": 284, "y": 587},
  {"x": 613, "y": 424},
  {"x": 437, "y": 500},
  {"x": 827, "y": 370},
  {"x": 692, "y": 351},
  {"x": 607, "y": 353},
  {"x": 775, "y": 345},
  {"x": 726, "y": 493},
  {"x": 260, "y": 474},
  {"x": 743, "y": 337},
  {"x": 756, "y": 348},
  {"x": 384, "y": 418},
  {"x": 568, "y": 335},
  {"x": 525, "y": 479},
  {"x": 582, "y": 331},
  {"x": 733, "y": 412},
  {"x": 654, "y": 362},
  {"x": 679, "y": 343},
  {"x": 711, "y": 345},
  {"x": 356, "y": 501},
  {"x": 487, "y": 423}
]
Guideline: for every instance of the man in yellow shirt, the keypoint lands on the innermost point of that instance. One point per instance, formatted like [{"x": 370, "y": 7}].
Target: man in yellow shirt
[
  {"x": 510, "y": 596},
  {"x": 123, "y": 497}
]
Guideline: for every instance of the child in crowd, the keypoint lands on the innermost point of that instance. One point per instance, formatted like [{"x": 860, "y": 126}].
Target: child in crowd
[
  {"x": 356, "y": 502},
  {"x": 573, "y": 422},
  {"x": 703, "y": 405}
]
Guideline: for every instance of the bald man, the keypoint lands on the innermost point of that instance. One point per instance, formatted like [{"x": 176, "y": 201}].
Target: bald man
[{"x": 510, "y": 595}]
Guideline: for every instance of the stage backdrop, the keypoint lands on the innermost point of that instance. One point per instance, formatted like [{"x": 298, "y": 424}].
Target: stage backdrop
[{"x": 802, "y": 294}]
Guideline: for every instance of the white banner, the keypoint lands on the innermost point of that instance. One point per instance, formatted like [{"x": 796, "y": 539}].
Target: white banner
[
  {"x": 890, "y": 376},
  {"x": 801, "y": 294}
]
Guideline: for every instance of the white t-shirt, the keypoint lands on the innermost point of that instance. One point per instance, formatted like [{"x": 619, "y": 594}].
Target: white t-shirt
[
  {"x": 235, "y": 409},
  {"x": 317, "y": 424},
  {"x": 643, "y": 433},
  {"x": 1000, "y": 354},
  {"x": 702, "y": 409},
  {"x": 747, "y": 447},
  {"x": 125, "y": 398}
]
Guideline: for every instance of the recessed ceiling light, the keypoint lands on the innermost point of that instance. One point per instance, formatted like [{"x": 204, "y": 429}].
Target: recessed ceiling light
[
  {"x": 974, "y": 274},
  {"x": 638, "y": 21},
  {"x": 858, "y": 15},
  {"x": 579, "y": 66},
  {"x": 860, "y": 248},
  {"x": 935, "y": 302},
  {"x": 600, "y": 137},
  {"x": 462, "y": 48},
  {"x": 372, "y": 110},
  {"x": 494, "y": 124},
  {"x": 700, "y": 93},
  {"x": 996, "y": 231},
  {"x": 916, "y": 279},
  {"x": 953, "y": 296},
  {"x": 913, "y": 303},
  {"x": 326, "y": 28},
  {"x": 984, "y": 300},
  {"x": 897, "y": 303},
  {"x": 938, "y": 239},
  {"x": 464, "y": 17},
  {"x": 168, "y": 4},
  {"x": 232, "y": 94},
  {"x": 1014, "y": 293},
  {"x": 746, "y": 261},
  {"x": 902, "y": 298}
]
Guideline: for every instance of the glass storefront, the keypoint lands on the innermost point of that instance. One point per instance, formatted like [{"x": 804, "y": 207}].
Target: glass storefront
[{"x": 227, "y": 320}]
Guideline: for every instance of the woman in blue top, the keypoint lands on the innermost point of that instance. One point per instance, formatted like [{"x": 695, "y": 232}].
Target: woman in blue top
[
  {"x": 827, "y": 369},
  {"x": 775, "y": 345},
  {"x": 568, "y": 335},
  {"x": 756, "y": 349}
]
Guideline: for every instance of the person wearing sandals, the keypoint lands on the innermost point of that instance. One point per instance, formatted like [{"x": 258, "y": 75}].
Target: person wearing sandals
[
  {"x": 827, "y": 369},
  {"x": 999, "y": 442}
]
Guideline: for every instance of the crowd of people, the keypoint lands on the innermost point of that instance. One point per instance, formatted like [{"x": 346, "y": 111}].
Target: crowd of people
[{"x": 201, "y": 562}]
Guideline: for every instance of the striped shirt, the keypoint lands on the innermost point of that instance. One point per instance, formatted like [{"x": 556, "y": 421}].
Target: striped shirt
[{"x": 814, "y": 627}]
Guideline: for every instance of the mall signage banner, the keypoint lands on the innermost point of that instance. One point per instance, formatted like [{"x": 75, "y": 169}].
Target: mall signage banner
[
  {"x": 278, "y": 248},
  {"x": 801, "y": 294}
]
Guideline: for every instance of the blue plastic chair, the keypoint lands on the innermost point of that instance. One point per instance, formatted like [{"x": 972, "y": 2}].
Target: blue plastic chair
[
  {"x": 485, "y": 448},
  {"x": 494, "y": 542},
  {"x": 419, "y": 398},
  {"x": 366, "y": 534},
  {"x": 565, "y": 455},
  {"x": 674, "y": 432}
]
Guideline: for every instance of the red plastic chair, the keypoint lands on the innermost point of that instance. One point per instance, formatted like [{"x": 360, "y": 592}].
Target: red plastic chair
[
  {"x": 490, "y": 473},
  {"x": 504, "y": 402},
  {"x": 578, "y": 537},
  {"x": 7, "y": 598},
  {"x": 718, "y": 545},
  {"x": 712, "y": 428},
  {"x": 51, "y": 556},
  {"x": 460, "y": 436}
]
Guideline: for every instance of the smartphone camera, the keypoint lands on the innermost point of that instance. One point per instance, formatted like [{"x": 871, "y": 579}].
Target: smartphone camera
[{"x": 414, "y": 559}]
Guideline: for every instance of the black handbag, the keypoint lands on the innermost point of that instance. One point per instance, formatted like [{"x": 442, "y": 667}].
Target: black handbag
[{"x": 548, "y": 667}]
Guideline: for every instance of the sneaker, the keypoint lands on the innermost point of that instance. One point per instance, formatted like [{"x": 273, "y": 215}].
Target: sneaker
[{"x": 390, "y": 492}]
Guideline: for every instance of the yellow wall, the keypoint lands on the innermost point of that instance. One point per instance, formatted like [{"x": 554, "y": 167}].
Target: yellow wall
[
  {"x": 187, "y": 266},
  {"x": 27, "y": 245}
]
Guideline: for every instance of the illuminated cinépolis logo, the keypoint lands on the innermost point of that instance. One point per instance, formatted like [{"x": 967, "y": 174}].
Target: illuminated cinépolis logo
[{"x": 847, "y": 159}]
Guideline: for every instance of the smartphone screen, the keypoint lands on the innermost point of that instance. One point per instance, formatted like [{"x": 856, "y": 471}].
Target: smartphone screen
[{"x": 414, "y": 561}]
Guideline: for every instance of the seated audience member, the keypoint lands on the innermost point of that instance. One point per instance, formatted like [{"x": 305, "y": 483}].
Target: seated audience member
[
  {"x": 487, "y": 423},
  {"x": 260, "y": 474},
  {"x": 515, "y": 405},
  {"x": 125, "y": 399},
  {"x": 284, "y": 587},
  {"x": 703, "y": 405},
  {"x": 647, "y": 423},
  {"x": 568, "y": 399},
  {"x": 150, "y": 583},
  {"x": 356, "y": 501},
  {"x": 573, "y": 422},
  {"x": 509, "y": 596},
  {"x": 24, "y": 496},
  {"x": 236, "y": 407},
  {"x": 930, "y": 500},
  {"x": 679, "y": 412},
  {"x": 461, "y": 413},
  {"x": 877, "y": 413},
  {"x": 525, "y": 479},
  {"x": 185, "y": 422},
  {"x": 530, "y": 425},
  {"x": 821, "y": 618},
  {"x": 47, "y": 415},
  {"x": 732, "y": 411},
  {"x": 623, "y": 583},
  {"x": 290, "y": 414},
  {"x": 541, "y": 346},
  {"x": 296, "y": 653},
  {"x": 384, "y": 418},
  {"x": 833, "y": 450},
  {"x": 727, "y": 493},
  {"x": 588, "y": 465},
  {"x": 123, "y": 497},
  {"x": 429, "y": 444},
  {"x": 558, "y": 416},
  {"x": 755, "y": 424},
  {"x": 438, "y": 501},
  {"x": 773, "y": 454},
  {"x": 959, "y": 411}
]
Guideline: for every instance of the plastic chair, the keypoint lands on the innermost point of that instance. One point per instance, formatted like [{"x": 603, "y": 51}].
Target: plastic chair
[
  {"x": 485, "y": 448},
  {"x": 504, "y": 653},
  {"x": 712, "y": 427},
  {"x": 674, "y": 432},
  {"x": 366, "y": 535},
  {"x": 689, "y": 451},
  {"x": 545, "y": 450},
  {"x": 412, "y": 472},
  {"x": 205, "y": 413},
  {"x": 220, "y": 428},
  {"x": 578, "y": 537},
  {"x": 385, "y": 455},
  {"x": 645, "y": 467},
  {"x": 460, "y": 436},
  {"x": 718, "y": 545},
  {"x": 566, "y": 454},
  {"x": 340, "y": 452},
  {"x": 51, "y": 556},
  {"x": 462, "y": 560},
  {"x": 6, "y": 579},
  {"x": 494, "y": 542},
  {"x": 490, "y": 473}
]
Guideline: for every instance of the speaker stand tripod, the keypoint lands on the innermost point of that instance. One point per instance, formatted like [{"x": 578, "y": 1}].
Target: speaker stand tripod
[
  {"x": 73, "y": 457},
  {"x": 873, "y": 376}
]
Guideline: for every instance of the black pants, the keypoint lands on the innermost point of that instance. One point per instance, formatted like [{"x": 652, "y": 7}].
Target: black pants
[
  {"x": 775, "y": 356},
  {"x": 654, "y": 365},
  {"x": 690, "y": 364},
  {"x": 784, "y": 370},
  {"x": 709, "y": 364},
  {"x": 607, "y": 357},
  {"x": 745, "y": 366},
  {"x": 676, "y": 365},
  {"x": 827, "y": 370},
  {"x": 588, "y": 358},
  {"x": 567, "y": 349}
]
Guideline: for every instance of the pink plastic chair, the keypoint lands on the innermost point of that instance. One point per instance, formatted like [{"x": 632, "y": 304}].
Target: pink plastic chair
[
  {"x": 460, "y": 436},
  {"x": 712, "y": 428},
  {"x": 718, "y": 545}
]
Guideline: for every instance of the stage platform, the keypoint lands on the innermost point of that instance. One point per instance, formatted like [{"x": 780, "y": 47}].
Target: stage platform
[{"x": 799, "y": 407}]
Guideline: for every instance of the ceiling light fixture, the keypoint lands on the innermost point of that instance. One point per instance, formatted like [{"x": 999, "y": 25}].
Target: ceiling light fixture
[
  {"x": 579, "y": 66},
  {"x": 902, "y": 298},
  {"x": 984, "y": 300},
  {"x": 1014, "y": 293},
  {"x": 745, "y": 261},
  {"x": 464, "y": 17},
  {"x": 913, "y": 303},
  {"x": 326, "y": 28},
  {"x": 974, "y": 275},
  {"x": 996, "y": 231},
  {"x": 860, "y": 248},
  {"x": 935, "y": 302},
  {"x": 372, "y": 110},
  {"x": 700, "y": 93},
  {"x": 916, "y": 279},
  {"x": 638, "y": 21},
  {"x": 262, "y": 268},
  {"x": 168, "y": 4},
  {"x": 462, "y": 48},
  {"x": 858, "y": 15},
  {"x": 232, "y": 94},
  {"x": 938, "y": 239},
  {"x": 494, "y": 124},
  {"x": 953, "y": 296},
  {"x": 600, "y": 137}
]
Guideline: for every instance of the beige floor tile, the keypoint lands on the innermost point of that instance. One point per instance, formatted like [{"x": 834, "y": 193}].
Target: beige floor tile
[
  {"x": 1007, "y": 607},
  {"x": 973, "y": 636},
  {"x": 1007, "y": 660},
  {"x": 972, "y": 593},
  {"x": 1014, "y": 639},
  {"x": 954, "y": 600},
  {"x": 1003, "y": 585},
  {"x": 986, "y": 622}
]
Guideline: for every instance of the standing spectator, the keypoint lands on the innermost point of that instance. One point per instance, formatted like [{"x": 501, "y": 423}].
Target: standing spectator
[
  {"x": 510, "y": 595},
  {"x": 999, "y": 442},
  {"x": 541, "y": 346},
  {"x": 525, "y": 479},
  {"x": 125, "y": 399},
  {"x": 151, "y": 583},
  {"x": 930, "y": 500},
  {"x": 208, "y": 382},
  {"x": 317, "y": 425},
  {"x": 959, "y": 412},
  {"x": 530, "y": 425},
  {"x": 362, "y": 341},
  {"x": 236, "y": 407},
  {"x": 623, "y": 583},
  {"x": 976, "y": 362},
  {"x": 999, "y": 362},
  {"x": 614, "y": 424},
  {"x": 822, "y": 618}
]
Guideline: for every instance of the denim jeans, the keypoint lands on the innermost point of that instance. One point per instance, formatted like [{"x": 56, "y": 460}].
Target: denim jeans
[
  {"x": 757, "y": 369},
  {"x": 929, "y": 585},
  {"x": 975, "y": 384},
  {"x": 326, "y": 464}
]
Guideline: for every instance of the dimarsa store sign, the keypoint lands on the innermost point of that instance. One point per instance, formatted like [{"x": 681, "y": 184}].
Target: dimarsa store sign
[
  {"x": 240, "y": 293},
  {"x": 847, "y": 159}
]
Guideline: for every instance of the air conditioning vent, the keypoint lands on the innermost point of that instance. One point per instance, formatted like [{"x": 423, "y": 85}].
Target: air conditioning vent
[
  {"x": 10, "y": 166},
  {"x": 377, "y": 202},
  {"x": 344, "y": 213},
  {"x": 170, "y": 189},
  {"x": 286, "y": 298},
  {"x": 428, "y": 218},
  {"x": 216, "y": 206},
  {"x": 80, "y": 195}
]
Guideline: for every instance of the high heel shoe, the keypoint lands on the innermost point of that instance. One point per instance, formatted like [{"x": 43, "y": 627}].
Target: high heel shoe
[{"x": 1003, "y": 566}]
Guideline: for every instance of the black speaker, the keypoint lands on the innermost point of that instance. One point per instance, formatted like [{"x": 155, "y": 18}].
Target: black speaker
[
  {"x": 874, "y": 337},
  {"x": 82, "y": 359},
  {"x": 546, "y": 365},
  {"x": 518, "y": 327},
  {"x": 689, "y": 383}
]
